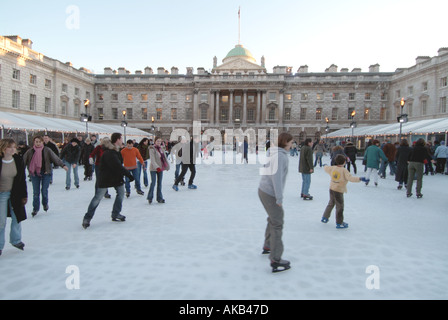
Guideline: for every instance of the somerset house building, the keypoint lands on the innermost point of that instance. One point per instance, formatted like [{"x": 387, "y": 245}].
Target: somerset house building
[{"x": 235, "y": 92}]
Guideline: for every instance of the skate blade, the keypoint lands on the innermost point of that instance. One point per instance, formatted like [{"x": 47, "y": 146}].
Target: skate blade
[{"x": 280, "y": 269}]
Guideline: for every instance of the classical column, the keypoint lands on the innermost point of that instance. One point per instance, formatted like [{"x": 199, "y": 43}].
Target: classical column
[
  {"x": 280, "y": 107},
  {"x": 217, "y": 108},
  {"x": 258, "y": 115},
  {"x": 244, "y": 106},
  {"x": 263, "y": 107},
  {"x": 211, "y": 116},
  {"x": 195, "y": 105},
  {"x": 231, "y": 108}
]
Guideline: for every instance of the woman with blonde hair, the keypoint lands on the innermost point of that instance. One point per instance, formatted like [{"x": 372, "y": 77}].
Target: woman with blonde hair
[{"x": 13, "y": 193}]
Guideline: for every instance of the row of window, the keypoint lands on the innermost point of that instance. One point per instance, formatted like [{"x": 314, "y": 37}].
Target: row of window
[
  {"x": 16, "y": 102},
  {"x": 272, "y": 96},
  {"x": 16, "y": 74}
]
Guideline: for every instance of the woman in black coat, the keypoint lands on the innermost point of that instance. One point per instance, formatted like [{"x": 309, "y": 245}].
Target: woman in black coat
[
  {"x": 13, "y": 193},
  {"x": 401, "y": 157}
]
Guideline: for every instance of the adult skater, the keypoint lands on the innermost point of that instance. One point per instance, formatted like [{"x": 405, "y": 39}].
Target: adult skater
[
  {"x": 306, "y": 168},
  {"x": 270, "y": 191},
  {"x": 71, "y": 155},
  {"x": 190, "y": 152},
  {"x": 372, "y": 157},
  {"x": 351, "y": 151},
  {"x": 13, "y": 193},
  {"x": 401, "y": 158},
  {"x": 38, "y": 159},
  {"x": 158, "y": 164},
  {"x": 111, "y": 174},
  {"x": 417, "y": 158}
]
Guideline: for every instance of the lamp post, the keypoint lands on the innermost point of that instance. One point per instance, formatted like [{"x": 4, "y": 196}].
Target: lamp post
[
  {"x": 403, "y": 118},
  {"x": 327, "y": 128},
  {"x": 353, "y": 123},
  {"x": 85, "y": 117},
  {"x": 124, "y": 124}
]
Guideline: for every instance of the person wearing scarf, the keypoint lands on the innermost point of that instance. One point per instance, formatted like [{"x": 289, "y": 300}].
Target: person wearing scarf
[
  {"x": 158, "y": 164},
  {"x": 38, "y": 159}
]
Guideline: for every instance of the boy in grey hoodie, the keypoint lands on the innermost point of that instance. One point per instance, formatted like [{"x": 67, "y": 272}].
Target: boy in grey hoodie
[{"x": 270, "y": 191}]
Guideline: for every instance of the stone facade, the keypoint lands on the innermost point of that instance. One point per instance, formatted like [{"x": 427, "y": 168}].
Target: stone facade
[{"x": 239, "y": 93}]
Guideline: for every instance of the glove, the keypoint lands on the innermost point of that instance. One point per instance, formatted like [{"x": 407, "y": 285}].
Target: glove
[
  {"x": 363, "y": 179},
  {"x": 91, "y": 161},
  {"x": 159, "y": 170}
]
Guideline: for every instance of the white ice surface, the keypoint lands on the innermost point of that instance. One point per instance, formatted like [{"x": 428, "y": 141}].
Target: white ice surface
[{"x": 206, "y": 243}]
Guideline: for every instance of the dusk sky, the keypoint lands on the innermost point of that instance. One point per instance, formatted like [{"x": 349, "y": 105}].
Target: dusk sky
[{"x": 136, "y": 34}]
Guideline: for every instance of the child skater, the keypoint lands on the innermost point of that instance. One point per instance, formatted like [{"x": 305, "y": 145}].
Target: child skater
[{"x": 338, "y": 186}]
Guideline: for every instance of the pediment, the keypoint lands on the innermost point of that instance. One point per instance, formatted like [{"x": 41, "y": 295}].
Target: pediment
[{"x": 240, "y": 65}]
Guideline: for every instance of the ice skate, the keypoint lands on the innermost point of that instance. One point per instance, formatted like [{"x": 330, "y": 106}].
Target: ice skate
[
  {"x": 119, "y": 217},
  {"x": 192, "y": 186},
  {"x": 266, "y": 250},
  {"x": 419, "y": 195},
  {"x": 307, "y": 197},
  {"x": 175, "y": 188},
  {"x": 86, "y": 223},
  {"x": 279, "y": 266},
  {"x": 19, "y": 245},
  {"x": 342, "y": 225},
  {"x": 324, "y": 220},
  {"x": 408, "y": 195}
]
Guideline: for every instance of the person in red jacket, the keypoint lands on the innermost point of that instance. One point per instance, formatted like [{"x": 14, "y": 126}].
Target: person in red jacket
[{"x": 130, "y": 155}]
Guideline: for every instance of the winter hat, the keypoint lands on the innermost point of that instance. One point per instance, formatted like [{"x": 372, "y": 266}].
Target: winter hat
[{"x": 74, "y": 140}]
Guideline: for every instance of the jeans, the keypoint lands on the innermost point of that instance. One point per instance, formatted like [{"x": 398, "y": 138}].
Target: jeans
[
  {"x": 99, "y": 195},
  {"x": 136, "y": 176},
  {"x": 318, "y": 158},
  {"x": 274, "y": 228},
  {"x": 156, "y": 175},
  {"x": 40, "y": 184},
  {"x": 16, "y": 229},
  {"x": 383, "y": 167},
  {"x": 145, "y": 173},
  {"x": 185, "y": 168},
  {"x": 68, "y": 180},
  {"x": 306, "y": 183}
]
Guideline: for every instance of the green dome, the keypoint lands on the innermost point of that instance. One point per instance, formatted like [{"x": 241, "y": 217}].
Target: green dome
[{"x": 240, "y": 51}]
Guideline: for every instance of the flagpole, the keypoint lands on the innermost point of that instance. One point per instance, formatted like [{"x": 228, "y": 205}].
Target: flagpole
[{"x": 239, "y": 25}]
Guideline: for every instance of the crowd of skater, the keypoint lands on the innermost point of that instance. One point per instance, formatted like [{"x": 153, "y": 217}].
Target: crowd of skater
[{"x": 117, "y": 163}]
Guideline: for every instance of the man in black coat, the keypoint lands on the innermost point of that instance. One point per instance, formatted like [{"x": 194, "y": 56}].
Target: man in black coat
[{"x": 111, "y": 174}]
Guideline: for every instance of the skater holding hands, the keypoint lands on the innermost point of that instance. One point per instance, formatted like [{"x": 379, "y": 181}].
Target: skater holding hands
[
  {"x": 270, "y": 192},
  {"x": 338, "y": 186}
]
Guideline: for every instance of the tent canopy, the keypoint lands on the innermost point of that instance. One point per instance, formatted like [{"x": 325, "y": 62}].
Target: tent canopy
[
  {"x": 17, "y": 121},
  {"x": 429, "y": 126}
]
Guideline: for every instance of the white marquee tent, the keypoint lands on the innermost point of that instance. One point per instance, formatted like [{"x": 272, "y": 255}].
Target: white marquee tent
[
  {"x": 27, "y": 123},
  {"x": 421, "y": 127}
]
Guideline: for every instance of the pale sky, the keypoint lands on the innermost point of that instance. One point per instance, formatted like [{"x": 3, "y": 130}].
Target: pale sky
[{"x": 136, "y": 34}]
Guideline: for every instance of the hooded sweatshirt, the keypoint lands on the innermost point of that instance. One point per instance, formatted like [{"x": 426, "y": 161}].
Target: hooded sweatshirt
[{"x": 274, "y": 173}]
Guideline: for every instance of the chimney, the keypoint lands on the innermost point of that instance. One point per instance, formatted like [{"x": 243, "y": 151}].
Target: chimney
[
  {"x": 442, "y": 51},
  {"x": 148, "y": 70},
  {"x": 27, "y": 43},
  {"x": 421, "y": 59},
  {"x": 108, "y": 70},
  {"x": 16, "y": 39},
  {"x": 160, "y": 70},
  {"x": 356, "y": 70},
  {"x": 332, "y": 68},
  {"x": 303, "y": 69},
  {"x": 344, "y": 70},
  {"x": 174, "y": 70},
  {"x": 374, "y": 68},
  {"x": 121, "y": 70}
]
